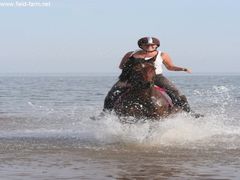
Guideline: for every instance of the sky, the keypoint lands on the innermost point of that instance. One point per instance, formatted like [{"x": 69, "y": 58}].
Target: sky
[{"x": 92, "y": 36}]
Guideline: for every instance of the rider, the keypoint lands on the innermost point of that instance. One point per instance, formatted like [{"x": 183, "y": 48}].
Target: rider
[{"x": 149, "y": 51}]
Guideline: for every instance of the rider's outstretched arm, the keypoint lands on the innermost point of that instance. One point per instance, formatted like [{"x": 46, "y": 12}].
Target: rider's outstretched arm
[{"x": 170, "y": 66}]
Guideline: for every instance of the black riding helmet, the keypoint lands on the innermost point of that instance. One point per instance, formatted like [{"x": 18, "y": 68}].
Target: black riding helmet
[{"x": 148, "y": 40}]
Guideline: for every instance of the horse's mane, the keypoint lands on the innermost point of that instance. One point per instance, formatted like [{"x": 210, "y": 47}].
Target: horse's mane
[{"x": 128, "y": 67}]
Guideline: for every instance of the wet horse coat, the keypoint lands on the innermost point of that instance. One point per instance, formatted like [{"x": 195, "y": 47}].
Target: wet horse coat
[{"x": 142, "y": 98}]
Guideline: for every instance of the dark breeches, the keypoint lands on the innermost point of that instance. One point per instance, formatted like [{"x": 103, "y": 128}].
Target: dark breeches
[{"x": 172, "y": 91}]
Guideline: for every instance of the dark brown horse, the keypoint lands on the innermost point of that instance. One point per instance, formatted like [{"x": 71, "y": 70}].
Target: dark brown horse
[{"x": 139, "y": 97}]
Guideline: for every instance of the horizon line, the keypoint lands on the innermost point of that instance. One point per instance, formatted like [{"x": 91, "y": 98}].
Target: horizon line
[{"x": 110, "y": 73}]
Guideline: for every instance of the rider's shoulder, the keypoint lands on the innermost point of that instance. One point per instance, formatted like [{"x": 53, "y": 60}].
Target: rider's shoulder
[
  {"x": 129, "y": 53},
  {"x": 136, "y": 52},
  {"x": 164, "y": 55}
]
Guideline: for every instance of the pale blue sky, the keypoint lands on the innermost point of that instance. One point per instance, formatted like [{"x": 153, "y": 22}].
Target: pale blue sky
[{"x": 79, "y": 36}]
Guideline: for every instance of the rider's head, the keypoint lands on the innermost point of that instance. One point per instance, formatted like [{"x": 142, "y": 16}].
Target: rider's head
[{"x": 148, "y": 44}]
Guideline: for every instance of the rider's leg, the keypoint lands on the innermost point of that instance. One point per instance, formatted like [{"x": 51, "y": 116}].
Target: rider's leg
[
  {"x": 184, "y": 104},
  {"x": 173, "y": 92}
]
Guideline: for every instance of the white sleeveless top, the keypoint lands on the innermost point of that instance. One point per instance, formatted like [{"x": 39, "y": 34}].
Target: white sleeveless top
[{"x": 157, "y": 63}]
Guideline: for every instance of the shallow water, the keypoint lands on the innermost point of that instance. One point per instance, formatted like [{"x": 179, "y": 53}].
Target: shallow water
[{"x": 46, "y": 132}]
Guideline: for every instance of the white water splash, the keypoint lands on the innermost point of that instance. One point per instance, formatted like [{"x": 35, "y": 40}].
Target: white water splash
[{"x": 179, "y": 131}]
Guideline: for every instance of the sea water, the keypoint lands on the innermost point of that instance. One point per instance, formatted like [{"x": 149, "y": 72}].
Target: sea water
[{"x": 46, "y": 131}]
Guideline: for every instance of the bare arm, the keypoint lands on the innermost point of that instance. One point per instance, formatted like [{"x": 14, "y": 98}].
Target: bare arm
[
  {"x": 169, "y": 64},
  {"x": 124, "y": 59}
]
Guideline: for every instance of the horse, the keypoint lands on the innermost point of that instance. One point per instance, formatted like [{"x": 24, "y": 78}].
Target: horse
[{"x": 139, "y": 97}]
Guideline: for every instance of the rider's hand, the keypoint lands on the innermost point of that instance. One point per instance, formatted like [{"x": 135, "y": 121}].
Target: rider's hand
[{"x": 188, "y": 70}]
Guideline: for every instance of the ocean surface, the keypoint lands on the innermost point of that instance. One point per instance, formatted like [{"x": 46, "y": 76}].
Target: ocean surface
[{"x": 46, "y": 131}]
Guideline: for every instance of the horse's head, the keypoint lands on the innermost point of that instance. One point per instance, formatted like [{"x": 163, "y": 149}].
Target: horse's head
[{"x": 142, "y": 75}]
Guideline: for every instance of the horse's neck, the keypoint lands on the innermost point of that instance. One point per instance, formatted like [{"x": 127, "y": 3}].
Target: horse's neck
[{"x": 142, "y": 92}]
